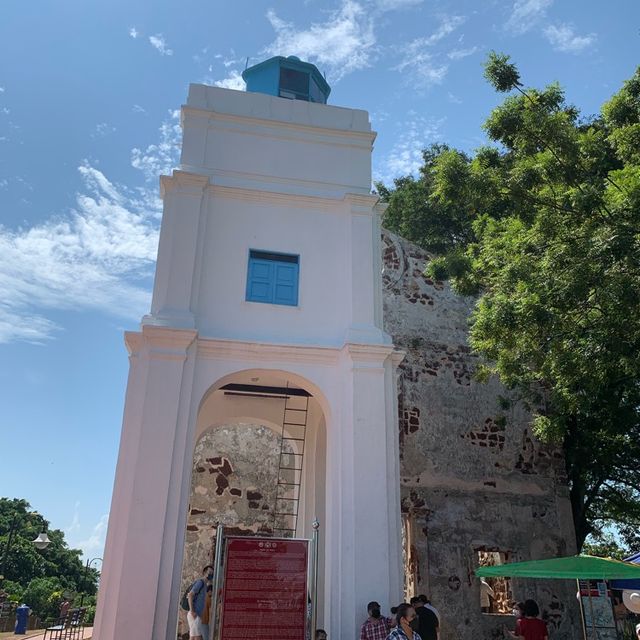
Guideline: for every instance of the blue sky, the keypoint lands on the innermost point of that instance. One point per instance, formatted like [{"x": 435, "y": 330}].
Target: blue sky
[{"x": 89, "y": 93}]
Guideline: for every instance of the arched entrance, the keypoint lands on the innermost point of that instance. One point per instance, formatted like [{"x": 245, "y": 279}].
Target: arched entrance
[{"x": 259, "y": 465}]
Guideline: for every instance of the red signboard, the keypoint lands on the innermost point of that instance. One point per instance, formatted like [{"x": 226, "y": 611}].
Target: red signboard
[{"x": 265, "y": 589}]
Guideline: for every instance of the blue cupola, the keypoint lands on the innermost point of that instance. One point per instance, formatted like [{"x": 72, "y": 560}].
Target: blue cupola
[{"x": 287, "y": 78}]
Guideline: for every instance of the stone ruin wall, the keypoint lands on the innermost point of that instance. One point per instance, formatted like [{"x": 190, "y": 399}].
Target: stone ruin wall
[
  {"x": 233, "y": 482},
  {"x": 474, "y": 481}
]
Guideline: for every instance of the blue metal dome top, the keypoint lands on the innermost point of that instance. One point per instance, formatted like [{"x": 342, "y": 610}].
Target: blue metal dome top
[{"x": 287, "y": 78}]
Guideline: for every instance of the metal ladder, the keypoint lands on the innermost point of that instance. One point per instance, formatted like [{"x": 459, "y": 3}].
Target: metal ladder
[{"x": 288, "y": 487}]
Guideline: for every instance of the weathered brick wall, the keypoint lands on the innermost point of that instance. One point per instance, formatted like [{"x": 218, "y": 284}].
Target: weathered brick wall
[{"x": 472, "y": 476}]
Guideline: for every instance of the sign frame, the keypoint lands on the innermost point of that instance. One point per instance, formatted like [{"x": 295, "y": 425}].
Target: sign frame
[{"x": 220, "y": 568}]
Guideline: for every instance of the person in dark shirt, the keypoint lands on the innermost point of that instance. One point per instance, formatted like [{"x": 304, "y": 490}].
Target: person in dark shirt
[{"x": 426, "y": 622}]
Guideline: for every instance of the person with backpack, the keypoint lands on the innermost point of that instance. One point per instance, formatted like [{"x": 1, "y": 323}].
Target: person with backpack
[{"x": 195, "y": 599}]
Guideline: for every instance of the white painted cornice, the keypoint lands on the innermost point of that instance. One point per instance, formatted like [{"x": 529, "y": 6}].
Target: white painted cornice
[
  {"x": 282, "y": 199},
  {"x": 368, "y": 354},
  {"x": 165, "y": 343},
  {"x": 398, "y": 356},
  {"x": 285, "y": 130},
  {"x": 193, "y": 182},
  {"x": 361, "y": 202},
  {"x": 134, "y": 342},
  {"x": 186, "y": 182},
  {"x": 270, "y": 184},
  {"x": 266, "y": 352}
]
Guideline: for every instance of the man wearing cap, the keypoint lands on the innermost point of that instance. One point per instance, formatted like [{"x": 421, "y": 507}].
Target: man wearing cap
[{"x": 376, "y": 626}]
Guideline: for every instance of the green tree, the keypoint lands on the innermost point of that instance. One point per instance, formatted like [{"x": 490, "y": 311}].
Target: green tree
[
  {"x": 30, "y": 572},
  {"x": 552, "y": 249},
  {"x": 44, "y": 596}
]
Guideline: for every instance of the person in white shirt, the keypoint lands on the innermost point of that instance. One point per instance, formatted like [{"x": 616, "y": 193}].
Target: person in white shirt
[{"x": 486, "y": 595}]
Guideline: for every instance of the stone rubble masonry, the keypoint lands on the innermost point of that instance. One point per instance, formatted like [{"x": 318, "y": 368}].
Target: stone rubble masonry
[{"x": 473, "y": 477}]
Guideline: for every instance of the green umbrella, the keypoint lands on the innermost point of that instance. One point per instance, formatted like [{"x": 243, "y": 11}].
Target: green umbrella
[{"x": 576, "y": 567}]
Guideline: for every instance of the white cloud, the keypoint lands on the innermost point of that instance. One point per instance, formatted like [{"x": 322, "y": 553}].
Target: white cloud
[
  {"x": 97, "y": 256},
  {"x": 526, "y": 14},
  {"x": 100, "y": 256},
  {"x": 454, "y": 98},
  {"x": 418, "y": 57},
  {"x": 423, "y": 66},
  {"x": 232, "y": 81},
  {"x": 1, "y": 89},
  {"x": 405, "y": 158},
  {"x": 342, "y": 44},
  {"x": 94, "y": 544},
  {"x": 158, "y": 42},
  {"x": 563, "y": 38},
  {"x": 75, "y": 523},
  {"x": 134, "y": 33},
  {"x": 458, "y": 54},
  {"x": 6, "y": 111},
  {"x": 138, "y": 109},
  {"x": 392, "y": 5},
  {"x": 102, "y": 129},
  {"x": 448, "y": 25},
  {"x": 4, "y": 183},
  {"x": 158, "y": 159},
  {"x": 200, "y": 57}
]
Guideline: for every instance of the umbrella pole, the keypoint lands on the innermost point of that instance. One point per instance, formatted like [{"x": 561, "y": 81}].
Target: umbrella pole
[
  {"x": 582, "y": 618},
  {"x": 593, "y": 620}
]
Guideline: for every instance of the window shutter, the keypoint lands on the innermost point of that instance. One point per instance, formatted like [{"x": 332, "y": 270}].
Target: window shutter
[
  {"x": 260, "y": 282},
  {"x": 286, "y": 283}
]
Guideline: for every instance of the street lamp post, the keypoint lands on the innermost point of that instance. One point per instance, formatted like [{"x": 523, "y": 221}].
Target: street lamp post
[
  {"x": 41, "y": 542},
  {"x": 86, "y": 577}
]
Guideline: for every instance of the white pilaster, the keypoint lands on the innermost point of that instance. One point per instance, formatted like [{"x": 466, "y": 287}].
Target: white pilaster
[{"x": 146, "y": 524}]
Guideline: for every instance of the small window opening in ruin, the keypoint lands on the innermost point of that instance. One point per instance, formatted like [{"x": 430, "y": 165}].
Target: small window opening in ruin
[
  {"x": 496, "y": 595},
  {"x": 410, "y": 556}
]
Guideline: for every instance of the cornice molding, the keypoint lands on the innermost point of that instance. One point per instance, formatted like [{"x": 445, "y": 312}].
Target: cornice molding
[
  {"x": 397, "y": 357},
  {"x": 134, "y": 342},
  {"x": 167, "y": 343},
  {"x": 275, "y": 184},
  {"x": 186, "y": 182},
  {"x": 360, "y": 138},
  {"x": 217, "y": 349},
  {"x": 368, "y": 353}
]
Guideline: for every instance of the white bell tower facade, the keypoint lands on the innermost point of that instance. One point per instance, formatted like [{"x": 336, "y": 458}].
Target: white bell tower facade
[{"x": 269, "y": 273}]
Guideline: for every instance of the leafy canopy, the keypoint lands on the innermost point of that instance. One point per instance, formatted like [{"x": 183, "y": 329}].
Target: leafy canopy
[
  {"x": 544, "y": 227},
  {"x": 39, "y": 577}
]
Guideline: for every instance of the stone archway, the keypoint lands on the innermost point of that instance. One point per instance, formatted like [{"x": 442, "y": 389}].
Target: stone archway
[{"x": 236, "y": 459}]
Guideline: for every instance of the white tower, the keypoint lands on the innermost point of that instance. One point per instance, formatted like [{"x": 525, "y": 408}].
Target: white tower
[{"x": 268, "y": 273}]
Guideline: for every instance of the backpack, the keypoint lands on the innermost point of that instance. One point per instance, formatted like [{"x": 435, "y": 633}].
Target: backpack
[{"x": 184, "y": 601}]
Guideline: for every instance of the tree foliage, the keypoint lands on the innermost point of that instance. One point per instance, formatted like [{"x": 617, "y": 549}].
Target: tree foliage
[
  {"x": 39, "y": 577},
  {"x": 547, "y": 234}
]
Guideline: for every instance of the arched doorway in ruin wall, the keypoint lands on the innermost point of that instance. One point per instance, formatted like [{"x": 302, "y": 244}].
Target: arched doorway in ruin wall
[{"x": 260, "y": 449}]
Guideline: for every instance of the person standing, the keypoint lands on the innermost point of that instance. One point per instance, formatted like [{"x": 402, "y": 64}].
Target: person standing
[
  {"x": 428, "y": 605},
  {"x": 486, "y": 595},
  {"x": 196, "y": 597},
  {"x": 403, "y": 629},
  {"x": 426, "y": 622},
  {"x": 530, "y": 627},
  {"x": 376, "y": 626}
]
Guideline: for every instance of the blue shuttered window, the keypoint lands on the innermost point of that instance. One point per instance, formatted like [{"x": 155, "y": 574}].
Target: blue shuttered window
[{"x": 272, "y": 278}]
